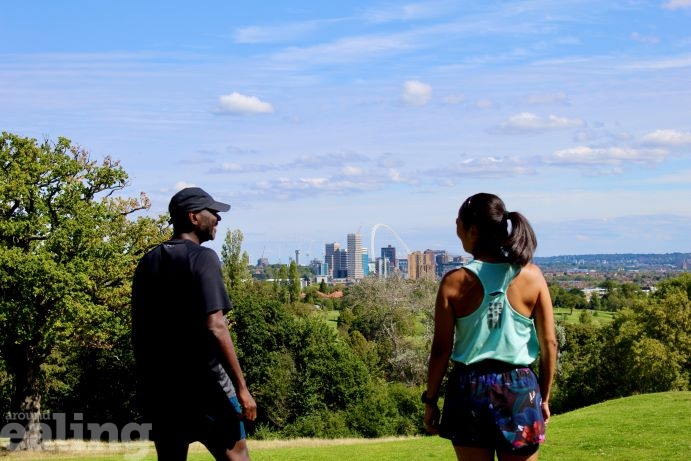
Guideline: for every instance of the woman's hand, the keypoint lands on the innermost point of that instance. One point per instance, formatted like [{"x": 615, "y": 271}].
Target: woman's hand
[
  {"x": 431, "y": 420},
  {"x": 545, "y": 411}
]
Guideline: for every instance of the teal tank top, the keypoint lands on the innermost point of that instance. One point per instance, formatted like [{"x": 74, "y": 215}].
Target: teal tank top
[{"x": 495, "y": 330}]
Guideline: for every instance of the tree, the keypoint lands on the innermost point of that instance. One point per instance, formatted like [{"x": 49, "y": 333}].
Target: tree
[
  {"x": 387, "y": 312},
  {"x": 294, "y": 288},
  {"x": 235, "y": 261},
  {"x": 282, "y": 283},
  {"x": 67, "y": 252},
  {"x": 567, "y": 299},
  {"x": 580, "y": 380},
  {"x": 647, "y": 348}
]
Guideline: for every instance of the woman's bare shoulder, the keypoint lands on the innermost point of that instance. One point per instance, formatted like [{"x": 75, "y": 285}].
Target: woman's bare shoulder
[
  {"x": 459, "y": 275},
  {"x": 532, "y": 270},
  {"x": 531, "y": 275},
  {"x": 457, "y": 280}
]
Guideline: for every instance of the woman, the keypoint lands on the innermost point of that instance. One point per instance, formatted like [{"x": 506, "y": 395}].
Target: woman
[{"x": 493, "y": 318}]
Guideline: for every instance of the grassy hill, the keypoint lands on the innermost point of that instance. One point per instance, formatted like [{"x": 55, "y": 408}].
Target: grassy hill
[{"x": 649, "y": 427}]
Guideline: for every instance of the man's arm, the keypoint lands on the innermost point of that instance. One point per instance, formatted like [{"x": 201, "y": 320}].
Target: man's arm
[{"x": 216, "y": 323}]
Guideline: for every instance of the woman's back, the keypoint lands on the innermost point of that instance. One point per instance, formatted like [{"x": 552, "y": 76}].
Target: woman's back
[{"x": 465, "y": 293}]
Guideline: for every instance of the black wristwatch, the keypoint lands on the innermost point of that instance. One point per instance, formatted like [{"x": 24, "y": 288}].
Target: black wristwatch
[{"x": 427, "y": 400}]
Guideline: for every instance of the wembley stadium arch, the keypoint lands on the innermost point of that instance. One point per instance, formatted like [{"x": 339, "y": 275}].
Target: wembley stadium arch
[{"x": 372, "y": 254}]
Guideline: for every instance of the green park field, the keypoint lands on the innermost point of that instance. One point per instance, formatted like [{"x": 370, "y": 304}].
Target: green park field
[
  {"x": 648, "y": 427},
  {"x": 574, "y": 315}
]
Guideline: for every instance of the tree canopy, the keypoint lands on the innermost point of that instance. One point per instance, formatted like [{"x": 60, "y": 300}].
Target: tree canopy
[{"x": 67, "y": 250}]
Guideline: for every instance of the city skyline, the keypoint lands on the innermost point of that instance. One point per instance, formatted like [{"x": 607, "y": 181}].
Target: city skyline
[{"x": 319, "y": 119}]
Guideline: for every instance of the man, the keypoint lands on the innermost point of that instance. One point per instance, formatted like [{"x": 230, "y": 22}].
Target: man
[{"x": 191, "y": 386}]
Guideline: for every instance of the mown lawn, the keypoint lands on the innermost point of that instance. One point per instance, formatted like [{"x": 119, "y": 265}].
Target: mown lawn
[
  {"x": 574, "y": 315},
  {"x": 649, "y": 427}
]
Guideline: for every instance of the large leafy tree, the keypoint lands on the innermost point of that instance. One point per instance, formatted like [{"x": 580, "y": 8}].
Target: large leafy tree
[
  {"x": 68, "y": 247},
  {"x": 388, "y": 314},
  {"x": 235, "y": 262},
  {"x": 650, "y": 345}
]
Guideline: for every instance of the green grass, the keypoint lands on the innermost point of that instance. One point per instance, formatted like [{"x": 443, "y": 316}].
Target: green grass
[
  {"x": 649, "y": 427},
  {"x": 573, "y": 316},
  {"x": 331, "y": 317}
]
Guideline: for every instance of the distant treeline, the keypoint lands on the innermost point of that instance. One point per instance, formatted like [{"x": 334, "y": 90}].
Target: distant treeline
[{"x": 617, "y": 262}]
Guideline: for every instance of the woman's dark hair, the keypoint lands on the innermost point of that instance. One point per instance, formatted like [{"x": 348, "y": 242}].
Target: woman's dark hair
[{"x": 489, "y": 214}]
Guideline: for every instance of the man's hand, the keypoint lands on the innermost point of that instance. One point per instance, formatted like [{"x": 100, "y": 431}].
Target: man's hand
[{"x": 249, "y": 406}]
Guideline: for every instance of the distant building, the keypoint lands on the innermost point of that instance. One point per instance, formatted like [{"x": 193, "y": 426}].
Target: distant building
[
  {"x": 355, "y": 271},
  {"x": 403, "y": 266},
  {"x": 441, "y": 258},
  {"x": 365, "y": 262},
  {"x": 340, "y": 269},
  {"x": 386, "y": 264},
  {"x": 389, "y": 253},
  {"x": 444, "y": 268},
  {"x": 319, "y": 267},
  {"x": 329, "y": 257},
  {"x": 421, "y": 265}
]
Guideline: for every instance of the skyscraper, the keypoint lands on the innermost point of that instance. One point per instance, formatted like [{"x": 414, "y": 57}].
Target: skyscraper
[
  {"x": 329, "y": 256},
  {"x": 387, "y": 263},
  {"x": 420, "y": 264},
  {"x": 389, "y": 253},
  {"x": 355, "y": 256},
  {"x": 340, "y": 270}
]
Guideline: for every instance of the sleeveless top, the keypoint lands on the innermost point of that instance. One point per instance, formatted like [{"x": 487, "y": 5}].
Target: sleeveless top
[{"x": 495, "y": 330}]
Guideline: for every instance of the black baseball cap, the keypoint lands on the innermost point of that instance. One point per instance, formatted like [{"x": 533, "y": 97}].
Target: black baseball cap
[{"x": 194, "y": 199}]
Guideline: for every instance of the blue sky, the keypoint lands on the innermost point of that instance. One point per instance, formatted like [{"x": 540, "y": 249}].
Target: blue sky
[{"x": 317, "y": 119}]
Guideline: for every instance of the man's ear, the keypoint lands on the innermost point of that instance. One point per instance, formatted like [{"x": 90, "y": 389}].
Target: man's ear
[{"x": 192, "y": 216}]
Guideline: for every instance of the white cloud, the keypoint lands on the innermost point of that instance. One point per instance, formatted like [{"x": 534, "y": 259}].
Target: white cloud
[
  {"x": 680, "y": 177},
  {"x": 677, "y": 4},
  {"x": 527, "y": 121},
  {"x": 182, "y": 185},
  {"x": 231, "y": 167},
  {"x": 408, "y": 12},
  {"x": 352, "y": 170},
  {"x": 281, "y": 33},
  {"x": 236, "y": 103},
  {"x": 647, "y": 39},
  {"x": 347, "y": 49},
  {"x": 389, "y": 161},
  {"x": 547, "y": 98},
  {"x": 301, "y": 163},
  {"x": 584, "y": 155},
  {"x": 671, "y": 62},
  {"x": 294, "y": 188},
  {"x": 395, "y": 175},
  {"x": 484, "y": 167},
  {"x": 484, "y": 104},
  {"x": 416, "y": 93},
  {"x": 335, "y": 160},
  {"x": 454, "y": 99},
  {"x": 667, "y": 138}
]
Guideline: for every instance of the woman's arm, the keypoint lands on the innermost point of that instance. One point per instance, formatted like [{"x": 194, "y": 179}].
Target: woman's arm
[
  {"x": 442, "y": 345},
  {"x": 544, "y": 324}
]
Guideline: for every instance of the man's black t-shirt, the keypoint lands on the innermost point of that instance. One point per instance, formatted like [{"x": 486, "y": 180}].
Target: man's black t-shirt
[{"x": 179, "y": 369}]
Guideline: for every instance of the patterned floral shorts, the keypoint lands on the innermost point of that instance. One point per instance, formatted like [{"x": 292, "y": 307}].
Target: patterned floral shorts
[{"x": 493, "y": 405}]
